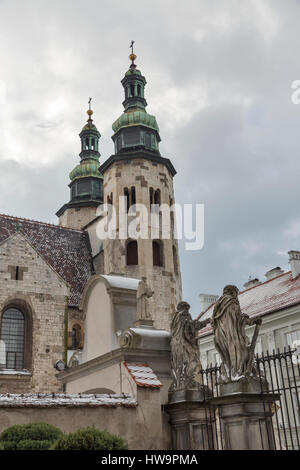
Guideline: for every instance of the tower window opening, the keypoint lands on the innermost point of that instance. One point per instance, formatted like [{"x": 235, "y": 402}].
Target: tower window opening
[
  {"x": 126, "y": 195},
  {"x": 132, "y": 253},
  {"x": 175, "y": 260},
  {"x": 133, "y": 197},
  {"x": 132, "y": 90},
  {"x": 139, "y": 90},
  {"x": 86, "y": 144},
  {"x": 147, "y": 140},
  {"x": 93, "y": 144},
  {"x": 151, "y": 196},
  {"x": 118, "y": 144},
  {"x": 157, "y": 249},
  {"x": 157, "y": 197}
]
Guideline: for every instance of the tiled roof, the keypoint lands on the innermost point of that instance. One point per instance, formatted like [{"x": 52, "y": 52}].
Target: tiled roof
[
  {"x": 276, "y": 294},
  {"x": 66, "y": 250},
  {"x": 143, "y": 375},
  {"x": 45, "y": 400}
]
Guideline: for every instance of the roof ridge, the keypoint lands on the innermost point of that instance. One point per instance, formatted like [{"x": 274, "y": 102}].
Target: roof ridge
[
  {"x": 32, "y": 221},
  {"x": 246, "y": 290},
  {"x": 265, "y": 282}
]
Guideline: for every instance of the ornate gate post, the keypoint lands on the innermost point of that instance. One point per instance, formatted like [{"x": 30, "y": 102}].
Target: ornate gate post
[
  {"x": 245, "y": 413},
  {"x": 191, "y": 420}
]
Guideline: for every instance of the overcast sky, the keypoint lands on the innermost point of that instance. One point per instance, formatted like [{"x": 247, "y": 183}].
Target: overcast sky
[{"x": 219, "y": 78}]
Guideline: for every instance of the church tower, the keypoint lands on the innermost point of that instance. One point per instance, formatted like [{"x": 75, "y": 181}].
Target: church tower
[
  {"x": 86, "y": 187},
  {"x": 138, "y": 172}
]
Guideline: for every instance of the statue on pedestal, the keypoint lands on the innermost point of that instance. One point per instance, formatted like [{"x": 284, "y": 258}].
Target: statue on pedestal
[
  {"x": 185, "y": 354},
  {"x": 229, "y": 326},
  {"x": 143, "y": 294}
]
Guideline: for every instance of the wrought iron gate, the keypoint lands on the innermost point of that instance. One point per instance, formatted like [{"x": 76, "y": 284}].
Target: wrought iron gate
[{"x": 282, "y": 372}]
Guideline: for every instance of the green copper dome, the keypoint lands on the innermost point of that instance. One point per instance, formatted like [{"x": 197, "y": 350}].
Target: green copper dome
[
  {"x": 84, "y": 169},
  {"x": 132, "y": 71},
  {"x": 134, "y": 118},
  {"x": 89, "y": 126}
]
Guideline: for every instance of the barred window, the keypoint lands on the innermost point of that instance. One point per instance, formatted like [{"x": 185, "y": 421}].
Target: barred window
[{"x": 12, "y": 337}]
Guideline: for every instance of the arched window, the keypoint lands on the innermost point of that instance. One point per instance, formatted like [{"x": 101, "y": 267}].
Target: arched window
[
  {"x": 76, "y": 336},
  {"x": 151, "y": 196},
  {"x": 13, "y": 338},
  {"x": 86, "y": 144},
  {"x": 157, "y": 197},
  {"x": 157, "y": 249},
  {"x": 93, "y": 144},
  {"x": 139, "y": 90},
  {"x": 132, "y": 90},
  {"x": 133, "y": 198},
  {"x": 132, "y": 253},
  {"x": 126, "y": 195}
]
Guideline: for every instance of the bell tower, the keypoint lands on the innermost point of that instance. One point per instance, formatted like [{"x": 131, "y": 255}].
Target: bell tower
[
  {"x": 86, "y": 186},
  {"x": 138, "y": 172}
]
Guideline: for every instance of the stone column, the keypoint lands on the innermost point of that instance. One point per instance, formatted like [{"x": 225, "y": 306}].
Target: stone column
[
  {"x": 190, "y": 419},
  {"x": 245, "y": 413}
]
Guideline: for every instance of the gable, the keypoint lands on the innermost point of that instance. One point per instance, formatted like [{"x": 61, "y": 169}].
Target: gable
[
  {"x": 67, "y": 251},
  {"x": 21, "y": 263}
]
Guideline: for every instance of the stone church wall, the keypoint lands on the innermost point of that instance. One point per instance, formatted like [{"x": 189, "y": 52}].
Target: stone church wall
[{"x": 41, "y": 295}]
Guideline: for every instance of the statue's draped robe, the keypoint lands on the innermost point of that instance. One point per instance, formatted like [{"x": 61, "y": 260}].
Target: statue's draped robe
[
  {"x": 231, "y": 340},
  {"x": 143, "y": 293},
  {"x": 185, "y": 355}
]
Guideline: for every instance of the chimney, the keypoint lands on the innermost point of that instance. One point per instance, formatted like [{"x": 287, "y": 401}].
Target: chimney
[
  {"x": 206, "y": 300},
  {"x": 295, "y": 263},
  {"x": 274, "y": 273},
  {"x": 252, "y": 283}
]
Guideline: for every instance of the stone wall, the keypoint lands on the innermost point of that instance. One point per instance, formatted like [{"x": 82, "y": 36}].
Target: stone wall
[
  {"x": 141, "y": 427},
  {"x": 165, "y": 280},
  {"x": 41, "y": 295}
]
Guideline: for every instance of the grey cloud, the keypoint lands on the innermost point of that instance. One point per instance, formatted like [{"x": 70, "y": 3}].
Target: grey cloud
[{"x": 237, "y": 151}]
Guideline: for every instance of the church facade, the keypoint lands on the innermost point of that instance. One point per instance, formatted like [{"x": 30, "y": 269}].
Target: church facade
[{"x": 47, "y": 269}]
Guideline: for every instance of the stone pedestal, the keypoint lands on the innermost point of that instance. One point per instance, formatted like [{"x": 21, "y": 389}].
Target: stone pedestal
[
  {"x": 190, "y": 419},
  {"x": 245, "y": 413}
]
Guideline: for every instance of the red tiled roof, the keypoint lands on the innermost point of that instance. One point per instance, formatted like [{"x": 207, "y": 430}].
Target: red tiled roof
[
  {"x": 66, "y": 250},
  {"x": 276, "y": 294},
  {"x": 143, "y": 375}
]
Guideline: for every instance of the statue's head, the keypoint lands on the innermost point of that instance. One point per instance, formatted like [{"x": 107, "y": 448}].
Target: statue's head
[
  {"x": 183, "y": 307},
  {"x": 231, "y": 290}
]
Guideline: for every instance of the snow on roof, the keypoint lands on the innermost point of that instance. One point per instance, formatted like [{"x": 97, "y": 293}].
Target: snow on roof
[
  {"x": 276, "y": 294},
  {"x": 44, "y": 400},
  {"x": 122, "y": 282},
  {"x": 143, "y": 375},
  {"x": 66, "y": 250}
]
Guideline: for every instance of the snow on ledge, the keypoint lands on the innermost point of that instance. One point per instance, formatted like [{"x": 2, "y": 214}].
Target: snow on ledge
[
  {"x": 14, "y": 372},
  {"x": 44, "y": 400}
]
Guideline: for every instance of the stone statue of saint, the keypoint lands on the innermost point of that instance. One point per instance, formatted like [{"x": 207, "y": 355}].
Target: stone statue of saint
[
  {"x": 142, "y": 295},
  {"x": 185, "y": 354},
  {"x": 230, "y": 337}
]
